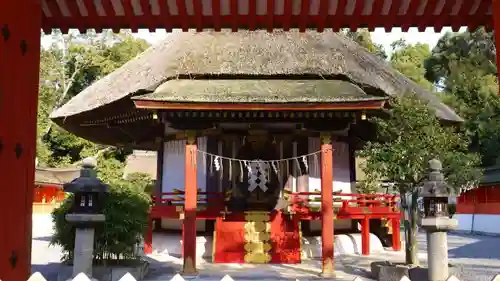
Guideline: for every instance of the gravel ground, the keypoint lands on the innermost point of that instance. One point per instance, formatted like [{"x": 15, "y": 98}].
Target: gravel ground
[{"x": 471, "y": 257}]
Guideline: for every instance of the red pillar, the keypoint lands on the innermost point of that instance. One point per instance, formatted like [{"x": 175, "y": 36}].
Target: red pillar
[
  {"x": 20, "y": 23},
  {"x": 327, "y": 215},
  {"x": 365, "y": 236},
  {"x": 190, "y": 198},
  {"x": 396, "y": 234},
  {"x": 148, "y": 238},
  {"x": 496, "y": 27}
]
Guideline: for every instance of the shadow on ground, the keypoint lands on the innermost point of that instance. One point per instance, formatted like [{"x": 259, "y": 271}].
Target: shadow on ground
[
  {"x": 49, "y": 271},
  {"x": 480, "y": 249}
]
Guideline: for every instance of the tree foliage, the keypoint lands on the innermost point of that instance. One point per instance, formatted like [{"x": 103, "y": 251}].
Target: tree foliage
[
  {"x": 406, "y": 142},
  {"x": 464, "y": 67},
  {"x": 363, "y": 38},
  {"x": 410, "y": 61},
  {"x": 67, "y": 67},
  {"x": 126, "y": 209},
  {"x": 412, "y": 137}
]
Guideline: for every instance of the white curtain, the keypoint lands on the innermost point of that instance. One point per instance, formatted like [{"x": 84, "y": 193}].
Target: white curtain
[{"x": 173, "y": 165}]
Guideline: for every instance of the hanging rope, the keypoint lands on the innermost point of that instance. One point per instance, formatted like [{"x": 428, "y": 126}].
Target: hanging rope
[
  {"x": 296, "y": 158},
  {"x": 217, "y": 163}
]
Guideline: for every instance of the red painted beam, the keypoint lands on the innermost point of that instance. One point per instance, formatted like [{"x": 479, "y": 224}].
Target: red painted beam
[
  {"x": 376, "y": 12},
  {"x": 444, "y": 16},
  {"x": 183, "y": 16},
  {"x": 390, "y": 18},
  {"x": 337, "y": 20},
  {"x": 190, "y": 197},
  {"x": 323, "y": 15},
  {"x": 129, "y": 13},
  {"x": 192, "y": 17},
  {"x": 270, "y": 15},
  {"x": 476, "y": 22},
  {"x": 163, "y": 19},
  {"x": 327, "y": 215},
  {"x": 198, "y": 15},
  {"x": 357, "y": 13},
  {"x": 234, "y": 15},
  {"x": 287, "y": 14},
  {"x": 94, "y": 20},
  {"x": 252, "y": 14},
  {"x": 148, "y": 16},
  {"x": 304, "y": 15},
  {"x": 216, "y": 15},
  {"x": 20, "y": 23},
  {"x": 430, "y": 7}
]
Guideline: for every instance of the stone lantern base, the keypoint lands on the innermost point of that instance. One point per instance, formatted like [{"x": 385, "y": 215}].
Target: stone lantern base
[
  {"x": 437, "y": 245},
  {"x": 84, "y": 241}
]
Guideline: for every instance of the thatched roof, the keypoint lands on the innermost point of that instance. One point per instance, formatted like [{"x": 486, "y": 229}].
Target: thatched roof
[
  {"x": 230, "y": 55},
  {"x": 58, "y": 176},
  {"x": 144, "y": 162},
  {"x": 258, "y": 91}
]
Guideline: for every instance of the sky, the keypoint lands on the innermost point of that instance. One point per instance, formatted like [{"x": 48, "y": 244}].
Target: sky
[{"x": 379, "y": 36}]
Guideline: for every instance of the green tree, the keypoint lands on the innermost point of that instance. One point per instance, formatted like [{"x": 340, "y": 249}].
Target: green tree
[
  {"x": 363, "y": 38},
  {"x": 463, "y": 66},
  {"x": 476, "y": 48},
  {"x": 67, "y": 67},
  {"x": 406, "y": 142},
  {"x": 410, "y": 61}
]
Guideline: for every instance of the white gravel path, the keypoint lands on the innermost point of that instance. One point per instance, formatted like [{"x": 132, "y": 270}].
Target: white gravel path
[{"x": 473, "y": 258}]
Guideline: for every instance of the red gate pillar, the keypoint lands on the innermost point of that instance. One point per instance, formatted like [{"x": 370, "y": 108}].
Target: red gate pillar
[
  {"x": 148, "y": 238},
  {"x": 327, "y": 215},
  {"x": 365, "y": 236},
  {"x": 396, "y": 234},
  {"x": 496, "y": 28},
  {"x": 20, "y": 24},
  {"x": 190, "y": 202}
]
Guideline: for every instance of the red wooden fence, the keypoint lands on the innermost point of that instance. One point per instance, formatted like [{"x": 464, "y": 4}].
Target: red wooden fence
[{"x": 482, "y": 200}]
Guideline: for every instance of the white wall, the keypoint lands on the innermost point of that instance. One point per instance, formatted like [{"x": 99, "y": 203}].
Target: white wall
[
  {"x": 173, "y": 174},
  {"x": 173, "y": 165},
  {"x": 341, "y": 169},
  {"x": 341, "y": 175},
  {"x": 479, "y": 223}
]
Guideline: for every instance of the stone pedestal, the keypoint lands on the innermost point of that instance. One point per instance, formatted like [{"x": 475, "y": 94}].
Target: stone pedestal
[
  {"x": 437, "y": 245},
  {"x": 84, "y": 250},
  {"x": 84, "y": 241}
]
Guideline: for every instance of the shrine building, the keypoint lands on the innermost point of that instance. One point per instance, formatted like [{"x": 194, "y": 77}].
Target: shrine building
[
  {"x": 478, "y": 209},
  {"x": 20, "y": 28},
  {"x": 256, "y": 134}
]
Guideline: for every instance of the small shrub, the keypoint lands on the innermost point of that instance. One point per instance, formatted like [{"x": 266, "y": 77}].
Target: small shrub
[
  {"x": 452, "y": 209},
  {"x": 126, "y": 208}
]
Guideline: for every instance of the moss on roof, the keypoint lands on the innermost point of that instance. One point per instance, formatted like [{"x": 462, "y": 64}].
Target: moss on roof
[{"x": 258, "y": 91}]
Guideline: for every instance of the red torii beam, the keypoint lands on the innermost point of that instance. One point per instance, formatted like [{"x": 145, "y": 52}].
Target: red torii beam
[{"x": 22, "y": 20}]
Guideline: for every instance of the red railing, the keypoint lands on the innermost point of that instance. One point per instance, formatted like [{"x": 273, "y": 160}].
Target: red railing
[
  {"x": 177, "y": 198},
  {"x": 306, "y": 204},
  {"x": 48, "y": 194}
]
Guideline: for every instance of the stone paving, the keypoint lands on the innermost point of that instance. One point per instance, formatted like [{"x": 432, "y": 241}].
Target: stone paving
[{"x": 471, "y": 257}]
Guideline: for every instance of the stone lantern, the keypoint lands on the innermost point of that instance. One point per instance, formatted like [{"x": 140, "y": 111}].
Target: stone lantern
[
  {"x": 89, "y": 191},
  {"x": 435, "y": 192},
  {"x": 85, "y": 214},
  {"x": 436, "y": 222}
]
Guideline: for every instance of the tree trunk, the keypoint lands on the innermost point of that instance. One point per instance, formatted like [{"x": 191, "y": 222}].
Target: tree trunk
[{"x": 410, "y": 211}]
